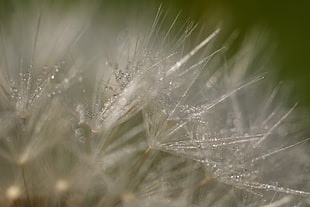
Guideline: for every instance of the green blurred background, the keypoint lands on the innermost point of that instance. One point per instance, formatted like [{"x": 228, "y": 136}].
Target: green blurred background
[{"x": 288, "y": 22}]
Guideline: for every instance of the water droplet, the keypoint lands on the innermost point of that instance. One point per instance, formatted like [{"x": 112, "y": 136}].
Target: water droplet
[
  {"x": 18, "y": 105},
  {"x": 78, "y": 132},
  {"x": 187, "y": 111},
  {"x": 123, "y": 101},
  {"x": 82, "y": 130},
  {"x": 82, "y": 139},
  {"x": 80, "y": 108}
]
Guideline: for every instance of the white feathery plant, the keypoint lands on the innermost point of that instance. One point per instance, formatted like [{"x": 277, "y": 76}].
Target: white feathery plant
[{"x": 147, "y": 118}]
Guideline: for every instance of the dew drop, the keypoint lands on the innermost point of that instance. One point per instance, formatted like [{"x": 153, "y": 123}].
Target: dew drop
[
  {"x": 123, "y": 101},
  {"x": 82, "y": 130},
  {"x": 82, "y": 139},
  {"x": 78, "y": 132}
]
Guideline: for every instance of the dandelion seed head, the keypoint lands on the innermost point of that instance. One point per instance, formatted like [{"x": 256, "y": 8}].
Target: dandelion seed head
[{"x": 145, "y": 116}]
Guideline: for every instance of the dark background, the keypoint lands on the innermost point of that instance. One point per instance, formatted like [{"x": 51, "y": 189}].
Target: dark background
[{"x": 288, "y": 22}]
